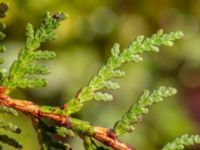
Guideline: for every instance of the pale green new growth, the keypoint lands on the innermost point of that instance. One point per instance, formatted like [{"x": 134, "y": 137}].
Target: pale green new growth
[
  {"x": 24, "y": 64},
  {"x": 134, "y": 114},
  {"x": 180, "y": 142},
  {"x": 112, "y": 68}
]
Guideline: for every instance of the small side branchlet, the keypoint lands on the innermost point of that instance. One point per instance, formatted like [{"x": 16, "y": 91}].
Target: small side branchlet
[
  {"x": 103, "y": 79},
  {"x": 24, "y": 64},
  {"x": 134, "y": 114}
]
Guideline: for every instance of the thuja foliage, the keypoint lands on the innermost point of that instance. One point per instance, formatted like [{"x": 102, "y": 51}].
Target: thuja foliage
[
  {"x": 66, "y": 126},
  {"x": 180, "y": 142},
  {"x": 24, "y": 64},
  {"x": 5, "y": 110}
]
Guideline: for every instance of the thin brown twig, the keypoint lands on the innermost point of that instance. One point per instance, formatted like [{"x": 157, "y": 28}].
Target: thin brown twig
[{"x": 104, "y": 135}]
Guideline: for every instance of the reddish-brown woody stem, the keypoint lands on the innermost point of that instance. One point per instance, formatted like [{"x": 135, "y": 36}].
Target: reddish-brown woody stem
[{"x": 104, "y": 135}]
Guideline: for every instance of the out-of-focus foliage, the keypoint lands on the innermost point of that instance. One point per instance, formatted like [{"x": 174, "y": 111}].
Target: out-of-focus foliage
[
  {"x": 4, "y": 125},
  {"x": 180, "y": 142},
  {"x": 84, "y": 44}
]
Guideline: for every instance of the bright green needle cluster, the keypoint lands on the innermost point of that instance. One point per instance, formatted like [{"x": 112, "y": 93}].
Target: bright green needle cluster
[
  {"x": 103, "y": 79},
  {"x": 24, "y": 64},
  {"x": 180, "y": 142},
  {"x": 134, "y": 114}
]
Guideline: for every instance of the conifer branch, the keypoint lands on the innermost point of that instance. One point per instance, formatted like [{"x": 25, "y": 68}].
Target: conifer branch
[
  {"x": 6, "y": 110},
  {"x": 134, "y": 114},
  {"x": 24, "y": 64},
  {"x": 78, "y": 126},
  {"x": 66, "y": 125},
  {"x": 112, "y": 67}
]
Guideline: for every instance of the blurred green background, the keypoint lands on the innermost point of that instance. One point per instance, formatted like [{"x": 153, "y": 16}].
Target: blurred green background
[{"x": 83, "y": 45}]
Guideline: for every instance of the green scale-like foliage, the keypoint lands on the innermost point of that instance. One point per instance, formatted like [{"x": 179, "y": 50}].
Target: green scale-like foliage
[
  {"x": 17, "y": 77},
  {"x": 111, "y": 69},
  {"x": 181, "y": 142},
  {"x": 134, "y": 114},
  {"x": 5, "y": 110},
  {"x": 24, "y": 64},
  {"x": 103, "y": 79}
]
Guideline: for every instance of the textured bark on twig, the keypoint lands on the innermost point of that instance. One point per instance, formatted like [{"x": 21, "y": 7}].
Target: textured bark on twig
[{"x": 101, "y": 134}]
